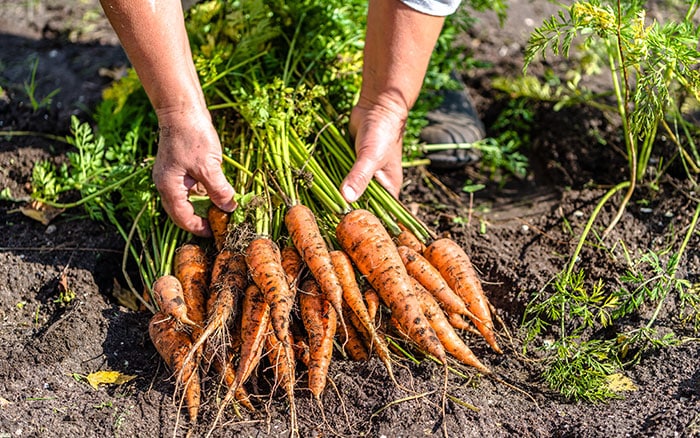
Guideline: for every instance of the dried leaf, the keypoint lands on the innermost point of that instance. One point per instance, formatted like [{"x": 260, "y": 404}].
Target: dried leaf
[
  {"x": 125, "y": 296},
  {"x": 41, "y": 212},
  {"x": 618, "y": 382},
  {"x": 108, "y": 378},
  {"x": 4, "y": 402}
]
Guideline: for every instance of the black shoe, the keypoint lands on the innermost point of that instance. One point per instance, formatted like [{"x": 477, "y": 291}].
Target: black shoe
[{"x": 454, "y": 121}]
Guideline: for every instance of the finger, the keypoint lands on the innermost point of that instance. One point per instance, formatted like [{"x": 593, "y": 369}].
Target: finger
[
  {"x": 357, "y": 180},
  {"x": 176, "y": 204},
  {"x": 220, "y": 190},
  {"x": 391, "y": 180}
]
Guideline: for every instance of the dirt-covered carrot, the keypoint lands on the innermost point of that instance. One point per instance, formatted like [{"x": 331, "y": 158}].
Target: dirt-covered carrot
[
  {"x": 427, "y": 275},
  {"x": 218, "y": 223},
  {"x": 225, "y": 369},
  {"x": 456, "y": 267},
  {"x": 173, "y": 345},
  {"x": 372, "y": 302},
  {"x": 265, "y": 265},
  {"x": 366, "y": 241},
  {"x": 192, "y": 269},
  {"x": 308, "y": 240},
  {"x": 453, "y": 344},
  {"x": 292, "y": 264},
  {"x": 168, "y": 295},
  {"x": 351, "y": 340},
  {"x": 457, "y": 321},
  {"x": 255, "y": 316},
  {"x": 281, "y": 358},
  {"x": 319, "y": 319},
  {"x": 407, "y": 238},
  {"x": 229, "y": 277}
]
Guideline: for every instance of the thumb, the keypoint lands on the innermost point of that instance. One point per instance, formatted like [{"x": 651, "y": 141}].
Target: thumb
[
  {"x": 357, "y": 180},
  {"x": 220, "y": 190}
]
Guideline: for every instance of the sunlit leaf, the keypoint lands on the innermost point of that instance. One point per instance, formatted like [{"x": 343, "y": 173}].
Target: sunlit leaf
[{"x": 108, "y": 378}]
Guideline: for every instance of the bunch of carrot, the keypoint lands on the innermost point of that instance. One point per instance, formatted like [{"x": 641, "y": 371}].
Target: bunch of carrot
[{"x": 228, "y": 311}]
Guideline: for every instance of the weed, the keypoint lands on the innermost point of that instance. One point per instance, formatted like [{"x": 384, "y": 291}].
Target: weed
[{"x": 30, "y": 88}]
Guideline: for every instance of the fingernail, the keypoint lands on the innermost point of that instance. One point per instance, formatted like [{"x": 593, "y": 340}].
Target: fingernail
[{"x": 349, "y": 194}]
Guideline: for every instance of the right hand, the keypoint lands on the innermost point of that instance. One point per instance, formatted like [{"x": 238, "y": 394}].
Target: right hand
[{"x": 189, "y": 158}]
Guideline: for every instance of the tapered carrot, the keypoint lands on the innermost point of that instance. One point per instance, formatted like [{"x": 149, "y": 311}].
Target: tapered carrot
[
  {"x": 407, "y": 238},
  {"x": 427, "y": 275},
  {"x": 351, "y": 340},
  {"x": 265, "y": 265},
  {"x": 218, "y": 223},
  {"x": 457, "y": 321},
  {"x": 308, "y": 240},
  {"x": 191, "y": 268},
  {"x": 281, "y": 357},
  {"x": 319, "y": 319},
  {"x": 225, "y": 369},
  {"x": 372, "y": 300},
  {"x": 456, "y": 267},
  {"x": 228, "y": 281},
  {"x": 255, "y": 316},
  {"x": 173, "y": 345},
  {"x": 168, "y": 295},
  {"x": 368, "y": 244},
  {"x": 445, "y": 332},
  {"x": 292, "y": 264}
]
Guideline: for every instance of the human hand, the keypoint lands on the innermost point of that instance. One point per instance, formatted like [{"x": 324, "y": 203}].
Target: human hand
[
  {"x": 188, "y": 159},
  {"x": 378, "y": 133}
]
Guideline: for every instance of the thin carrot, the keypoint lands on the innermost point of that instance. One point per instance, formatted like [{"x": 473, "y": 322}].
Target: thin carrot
[
  {"x": 228, "y": 281},
  {"x": 218, "y": 223},
  {"x": 457, "y": 321},
  {"x": 168, "y": 295},
  {"x": 191, "y": 268},
  {"x": 407, "y": 238},
  {"x": 368, "y": 244},
  {"x": 319, "y": 319},
  {"x": 292, "y": 264},
  {"x": 173, "y": 345},
  {"x": 255, "y": 315},
  {"x": 224, "y": 368},
  {"x": 281, "y": 358},
  {"x": 352, "y": 342},
  {"x": 427, "y": 275},
  {"x": 456, "y": 267},
  {"x": 372, "y": 300},
  {"x": 265, "y": 265},
  {"x": 303, "y": 229},
  {"x": 445, "y": 332}
]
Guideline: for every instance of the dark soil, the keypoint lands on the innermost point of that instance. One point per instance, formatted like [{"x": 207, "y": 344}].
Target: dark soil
[{"x": 46, "y": 346}]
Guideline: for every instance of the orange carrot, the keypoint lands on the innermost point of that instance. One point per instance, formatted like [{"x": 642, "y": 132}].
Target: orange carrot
[
  {"x": 281, "y": 357},
  {"x": 457, "y": 321},
  {"x": 445, "y": 332},
  {"x": 407, "y": 238},
  {"x": 173, "y": 345},
  {"x": 319, "y": 319},
  {"x": 368, "y": 244},
  {"x": 255, "y": 315},
  {"x": 456, "y": 267},
  {"x": 191, "y": 268},
  {"x": 303, "y": 229},
  {"x": 228, "y": 281},
  {"x": 352, "y": 342},
  {"x": 224, "y": 368},
  {"x": 168, "y": 295},
  {"x": 292, "y": 264},
  {"x": 218, "y": 223},
  {"x": 427, "y": 275},
  {"x": 265, "y": 265},
  {"x": 372, "y": 300}
]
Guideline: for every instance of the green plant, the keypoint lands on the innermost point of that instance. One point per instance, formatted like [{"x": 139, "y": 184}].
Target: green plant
[{"x": 30, "y": 88}]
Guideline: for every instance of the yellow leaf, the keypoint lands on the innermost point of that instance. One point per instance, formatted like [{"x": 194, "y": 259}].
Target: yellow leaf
[
  {"x": 40, "y": 211},
  {"x": 618, "y": 383},
  {"x": 108, "y": 378}
]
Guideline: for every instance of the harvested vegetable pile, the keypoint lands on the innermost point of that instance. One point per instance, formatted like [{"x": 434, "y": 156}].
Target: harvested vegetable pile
[{"x": 278, "y": 284}]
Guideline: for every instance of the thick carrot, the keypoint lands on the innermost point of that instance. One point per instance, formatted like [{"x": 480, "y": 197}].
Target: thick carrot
[
  {"x": 303, "y": 229},
  {"x": 456, "y": 267},
  {"x": 191, "y": 268},
  {"x": 255, "y": 316},
  {"x": 265, "y": 265},
  {"x": 368, "y": 244},
  {"x": 319, "y": 319},
  {"x": 407, "y": 238},
  {"x": 218, "y": 223},
  {"x": 427, "y": 275},
  {"x": 292, "y": 264},
  {"x": 228, "y": 281},
  {"x": 445, "y": 332},
  {"x": 168, "y": 295},
  {"x": 173, "y": 345}
]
